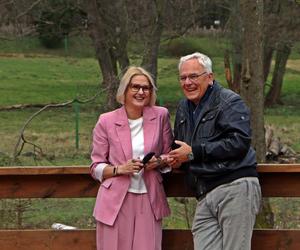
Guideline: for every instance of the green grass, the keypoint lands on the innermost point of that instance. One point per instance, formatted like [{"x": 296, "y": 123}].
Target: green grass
[
  {"x": 77, "y": 212},
  {"x": 42, "y": 213},
  {"x": 287, "y": 126},
  {"x": 295, "y": 54},
  {"x": 54, "y": 131},
  {"x": 42, "y": 80},
  {"x": 45, "y": 80},
  {"x": 52, "y": 78}
]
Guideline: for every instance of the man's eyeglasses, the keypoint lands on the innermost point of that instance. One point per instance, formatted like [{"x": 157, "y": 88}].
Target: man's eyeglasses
[
  {"x": 137, "y": 87},
  {"x": 191, "y": 77}
]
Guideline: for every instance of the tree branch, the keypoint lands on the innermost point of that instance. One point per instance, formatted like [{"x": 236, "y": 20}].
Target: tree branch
[
  {"x": 21, "y": 139},
  {"x": 28, "y": 9}
]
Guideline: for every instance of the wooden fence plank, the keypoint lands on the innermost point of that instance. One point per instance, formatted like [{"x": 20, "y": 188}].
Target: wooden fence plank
[
  {"x": 44, "y": 170},
  {"x": 269, "y": 239},
  {"x": 70, "y": 182},
  {"x": 47, "y": 240},
  {"x": 47, "y": 186},
  {"x": 172, "y": 239},
  {"x": 75, "y": 182}
]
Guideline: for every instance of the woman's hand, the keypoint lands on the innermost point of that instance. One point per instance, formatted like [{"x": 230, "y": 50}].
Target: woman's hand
[
  {"x": 153, "y": 163},
  {"x": 130, "y": 167},
  {"x": 157, "y": 162}
]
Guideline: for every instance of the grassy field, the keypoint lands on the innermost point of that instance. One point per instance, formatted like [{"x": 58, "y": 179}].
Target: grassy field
[
  {"x": 50, "y": 78},
  {"x": 33, "y": 75}
]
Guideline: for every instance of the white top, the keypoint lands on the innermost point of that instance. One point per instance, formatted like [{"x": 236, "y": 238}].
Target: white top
[
  {"x": 137, "y": 184},
  {"x": 137, "y": 139}
]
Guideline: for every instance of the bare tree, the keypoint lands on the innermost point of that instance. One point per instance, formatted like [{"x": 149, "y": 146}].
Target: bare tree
[
  {"x": 147, "y": 23},
  {"x": 235, "y": 55},
  {"x": 282, "y": 29},
  {"x": 15, "y": 19},
  {"x": 252, "y": 83},
  {"x": 109, "y": 29},
  {"x": 282, "y": 54},
  {"x": 108, "y": 32},
  {"x": 246, "y": 34},
  {"x": 152, "y": 35}
]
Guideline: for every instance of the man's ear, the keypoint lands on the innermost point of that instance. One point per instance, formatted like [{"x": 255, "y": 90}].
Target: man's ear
[{"x": 211, "y": 77}]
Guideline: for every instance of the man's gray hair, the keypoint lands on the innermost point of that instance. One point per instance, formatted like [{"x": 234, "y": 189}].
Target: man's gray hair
[{"x": 204, "y": 60}]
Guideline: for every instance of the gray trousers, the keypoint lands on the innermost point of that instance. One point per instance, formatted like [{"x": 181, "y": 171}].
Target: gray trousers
[{"x": 225, "y": 217}]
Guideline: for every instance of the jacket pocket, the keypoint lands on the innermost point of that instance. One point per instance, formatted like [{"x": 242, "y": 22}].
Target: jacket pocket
[
  {"x": 207, "y": 124},
  {"x": 107, "y": 183},
  {"x": 181, "y": 135}
]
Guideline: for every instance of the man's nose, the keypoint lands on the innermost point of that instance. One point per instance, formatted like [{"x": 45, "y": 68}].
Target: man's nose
[{"x": 187, "y": 81}]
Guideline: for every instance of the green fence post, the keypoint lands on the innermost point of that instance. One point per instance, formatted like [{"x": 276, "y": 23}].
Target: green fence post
[{"x": 76, "y": 107}]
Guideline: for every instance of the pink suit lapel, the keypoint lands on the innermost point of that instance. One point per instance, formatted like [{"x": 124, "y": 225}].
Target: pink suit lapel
[
  {"x": 123, "y": 132},
  {"x": 149, "y": 127}
]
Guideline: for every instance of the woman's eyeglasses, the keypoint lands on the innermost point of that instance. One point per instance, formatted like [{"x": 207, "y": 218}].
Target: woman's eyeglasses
[
  {"x": 191, "y": 77},
  {"x": 137, "y": 87}
]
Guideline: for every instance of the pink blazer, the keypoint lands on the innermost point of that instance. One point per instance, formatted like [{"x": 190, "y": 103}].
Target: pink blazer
[{"x": 112, "y": 144}]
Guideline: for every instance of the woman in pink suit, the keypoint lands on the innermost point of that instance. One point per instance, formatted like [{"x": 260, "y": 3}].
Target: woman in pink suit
[{"x": 131, "y": 201}]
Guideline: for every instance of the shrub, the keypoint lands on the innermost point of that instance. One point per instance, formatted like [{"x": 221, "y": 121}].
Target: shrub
[
  {"x": 178, "y": 47},
  {"x": 56, "y": 22},
  {"x": 186, "y": 45}
]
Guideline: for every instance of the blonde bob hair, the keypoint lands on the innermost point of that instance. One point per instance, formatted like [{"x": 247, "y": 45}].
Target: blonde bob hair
[{"x": 126, "y": 79}]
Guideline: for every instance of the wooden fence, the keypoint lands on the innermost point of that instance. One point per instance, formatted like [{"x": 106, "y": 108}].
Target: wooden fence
[{"x": 74, "y": 181}]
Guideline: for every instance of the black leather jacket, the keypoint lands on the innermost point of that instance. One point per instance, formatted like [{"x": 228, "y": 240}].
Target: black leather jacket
[{"x": 220, "y": 140}]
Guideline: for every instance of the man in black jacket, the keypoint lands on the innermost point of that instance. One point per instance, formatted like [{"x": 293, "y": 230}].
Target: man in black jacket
[{"x": 213, "y": 146}]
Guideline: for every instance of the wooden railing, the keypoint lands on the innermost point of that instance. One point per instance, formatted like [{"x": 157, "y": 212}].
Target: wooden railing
[{"x": 74, "y": 182}]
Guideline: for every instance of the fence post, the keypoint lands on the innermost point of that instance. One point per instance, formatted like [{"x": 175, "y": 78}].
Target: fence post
[{"x": 76, "y": 109}]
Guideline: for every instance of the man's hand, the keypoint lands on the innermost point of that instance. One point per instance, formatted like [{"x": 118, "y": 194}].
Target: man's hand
[
  {"x": 180, "y": 154},
  {"x": 173, "y": 163},
  {"x": 152, "y": 163}
]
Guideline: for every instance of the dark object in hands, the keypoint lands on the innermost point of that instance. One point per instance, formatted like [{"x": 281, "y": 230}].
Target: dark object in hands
[{"x": 147, "y": 157}]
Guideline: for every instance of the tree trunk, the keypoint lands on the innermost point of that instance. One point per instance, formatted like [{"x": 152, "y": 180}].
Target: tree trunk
[
  {"x": 236, "y": 41},
  {"x": 252, "y": 83},
  {"x": 228, "y": 74},
  {"x": 110, "y": 43},
  {"x": 235, "y": 83},
  {"x": 152, "y": 36},
  {"x": 282, "y": 55},
  {"x": 268, "y": 55},
  {"x": 237, "y": 75},
  {"x": 118, "y": 30}
]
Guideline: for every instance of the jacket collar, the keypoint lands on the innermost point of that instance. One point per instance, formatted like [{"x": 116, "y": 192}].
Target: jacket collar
[
  {"x": 150, "y": 128},
  {"x": 123, "y": 130},
  {"x": 211, "y": 103},
  {"x": 212, "y": 99}
]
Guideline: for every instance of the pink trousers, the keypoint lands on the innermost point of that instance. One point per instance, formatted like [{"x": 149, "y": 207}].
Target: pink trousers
[{"x": 134, "y": 229}]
